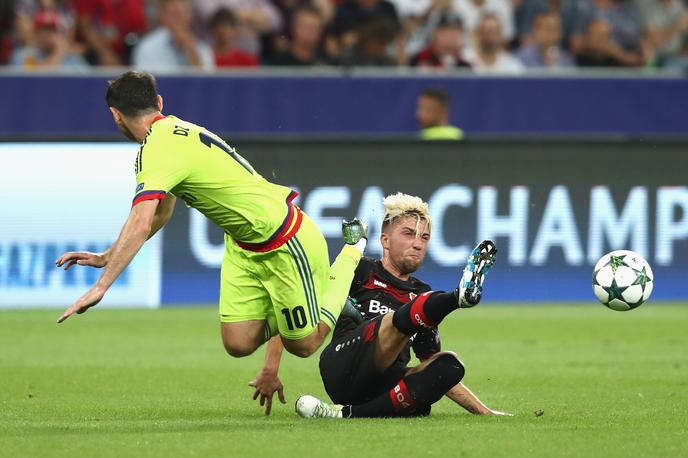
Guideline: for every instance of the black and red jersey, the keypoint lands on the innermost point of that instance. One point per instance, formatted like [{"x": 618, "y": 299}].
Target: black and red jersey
[{"x": 377, "y": 292}]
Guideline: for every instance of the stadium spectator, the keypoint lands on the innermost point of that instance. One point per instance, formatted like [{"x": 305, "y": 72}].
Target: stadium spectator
[
  {"x": 279, "y": 41},
  {"x": 306, "y": 35},
  {"x": 373, "y": 40},
  {"x": 489, "y": 55},
  {"x": 352, "y": 13},
  {"x": 419, "y": 19},
  {"x": 525, "y": 12},
  {"x": 50, "y": 48},
  {"x": 544, "y": 49},
  {"x": 432, "y": 115},
  {"x": 96, "y": 29},
  {"x": 130, "y": 26},
  {"x": 625, "y": 29},
  {"x": 680, "y": 61},
  {"x": 472, "y": 12},
  {"x": 351, "y": 20},
  {"x": 173, "y": 46},
  {"x": 598, "y": 49},
  {"x": 665, "y": 23},
  {"x": 417, "y": 8},
  {"x": 26, "y": 11},
  {"x": 7, "y": 8},
  {"x": 445, "y": 49},
  {"x": 255, "y": 18},
  {"x": 223, "y": 31}
]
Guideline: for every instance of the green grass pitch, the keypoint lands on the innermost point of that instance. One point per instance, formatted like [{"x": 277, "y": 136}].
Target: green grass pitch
[{"x": 130, "y": 383}]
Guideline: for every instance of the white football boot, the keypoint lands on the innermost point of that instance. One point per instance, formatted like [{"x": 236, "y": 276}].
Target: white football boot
[{"x": 311, "y": 407}]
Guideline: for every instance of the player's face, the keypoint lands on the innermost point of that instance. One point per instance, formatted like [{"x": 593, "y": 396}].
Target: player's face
[
  {"x": 126, "y": 131},
  {"x": 405, "y": 247},
  {"x": 429, "y": 112},
  {"x": 122, "y": 125}
]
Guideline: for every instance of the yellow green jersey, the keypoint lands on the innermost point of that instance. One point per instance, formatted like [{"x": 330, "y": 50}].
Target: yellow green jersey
[
  {"x": 442, "y": 133},
  {"x": 188, "y": 161}
]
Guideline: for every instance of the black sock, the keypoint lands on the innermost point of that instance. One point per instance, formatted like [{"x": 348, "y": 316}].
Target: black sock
[
  {"x": 427, "y": 310},
  {"x": 429, "y": 385},
  {"x": 415, "y": 393}
]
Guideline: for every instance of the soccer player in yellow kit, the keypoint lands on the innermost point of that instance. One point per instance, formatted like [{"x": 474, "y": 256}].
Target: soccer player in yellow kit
[{"x": 276, "y": 277}]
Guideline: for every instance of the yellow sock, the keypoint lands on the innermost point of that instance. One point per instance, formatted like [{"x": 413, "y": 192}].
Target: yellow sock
[{"x": 338, "y": 284}]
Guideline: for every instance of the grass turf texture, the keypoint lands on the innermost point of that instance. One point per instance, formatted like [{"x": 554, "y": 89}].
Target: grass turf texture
[{"x": 157, "y": 382}]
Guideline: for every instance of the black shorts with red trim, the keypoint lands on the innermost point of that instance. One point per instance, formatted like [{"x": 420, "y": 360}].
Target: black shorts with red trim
[{"x": 348, "y": 370}]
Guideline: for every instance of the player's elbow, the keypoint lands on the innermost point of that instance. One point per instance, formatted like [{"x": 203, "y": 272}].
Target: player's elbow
[{"x": 142, "y": 229}]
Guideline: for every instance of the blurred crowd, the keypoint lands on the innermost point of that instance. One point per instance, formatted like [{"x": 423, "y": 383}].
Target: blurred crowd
[{"x": 488, "y": 36}]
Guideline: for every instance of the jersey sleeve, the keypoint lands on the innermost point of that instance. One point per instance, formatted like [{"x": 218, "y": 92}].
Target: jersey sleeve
[{"x": 159, "y": 168}]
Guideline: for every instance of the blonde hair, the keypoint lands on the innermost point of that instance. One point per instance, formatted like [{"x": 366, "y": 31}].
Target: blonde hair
[{"x": 401, "y": 205}]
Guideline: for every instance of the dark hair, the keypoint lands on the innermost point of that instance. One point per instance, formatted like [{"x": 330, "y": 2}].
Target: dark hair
[
  {"x": 307, "y": 9},
  {"x": 223, "y": 16},
  {"x": 440, "y": 95},
  {"x": 133, "y": 93},
  {"x": 448, "y": 21},
  {"x": 377, "y": 30}
]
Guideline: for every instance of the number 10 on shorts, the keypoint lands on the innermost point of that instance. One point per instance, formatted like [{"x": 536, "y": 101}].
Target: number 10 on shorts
[{"x": 296, "y": 317}]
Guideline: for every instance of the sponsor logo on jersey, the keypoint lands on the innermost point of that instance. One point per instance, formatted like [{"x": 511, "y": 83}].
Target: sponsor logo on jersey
[
  {"x": 139, "y": 187},
  {"x": 377, "y": 307},
  {"x": 412, "y": 296},
  {"x": 377, "y": 282}
]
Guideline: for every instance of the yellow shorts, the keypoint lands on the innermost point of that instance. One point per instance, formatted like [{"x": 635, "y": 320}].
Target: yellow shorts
[{"x": 284, "y": 286}]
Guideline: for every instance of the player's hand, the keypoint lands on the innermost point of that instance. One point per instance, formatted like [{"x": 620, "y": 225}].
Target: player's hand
[
  {"x": 85, "y": 302},
  {"x": 266, "y": 383},
  {"x": 497, "y": 413},
  {"x": 82, "y": 258}
]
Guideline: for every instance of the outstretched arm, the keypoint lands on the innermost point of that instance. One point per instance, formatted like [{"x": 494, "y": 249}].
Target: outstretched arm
[
  {"x": 469, "y": 401},
  {"x": 135, "y": 232},
  {"x": 163, "y": 213}
]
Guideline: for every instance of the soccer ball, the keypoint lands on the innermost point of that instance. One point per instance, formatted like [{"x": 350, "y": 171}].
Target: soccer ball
[{"x": 622, "y": 280}]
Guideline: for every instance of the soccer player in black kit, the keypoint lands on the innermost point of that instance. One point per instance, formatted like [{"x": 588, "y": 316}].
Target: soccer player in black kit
[{"x": 365, "y": 369}]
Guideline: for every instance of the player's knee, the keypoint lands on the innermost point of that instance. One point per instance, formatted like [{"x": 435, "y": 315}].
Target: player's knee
[
  {"x": 301, "y": 352},
  {"x": 238, "y": 349},
  {"x": 300, "y": 348},
  {"x": 451, "y": 367},
  {"x": 303, "y": 348}
]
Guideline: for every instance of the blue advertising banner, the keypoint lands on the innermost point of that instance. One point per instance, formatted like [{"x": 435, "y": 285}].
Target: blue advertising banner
[
  {"x": 553, "y": 208},
  {"x": 356, "y": 104},
  {"x": 59, "y": 197}
]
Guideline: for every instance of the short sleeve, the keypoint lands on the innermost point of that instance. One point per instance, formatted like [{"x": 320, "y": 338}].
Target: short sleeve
[{"x": 159, "y": 169}]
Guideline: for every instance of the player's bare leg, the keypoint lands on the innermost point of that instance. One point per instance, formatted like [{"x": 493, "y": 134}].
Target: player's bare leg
[
  {"x": 244, "y": 337},
  {"x": 355, "y": 234},
  {"x": 308, "y": 345},
  {"x": 389, "y": 343}
]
